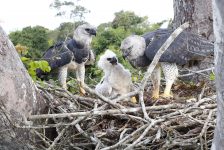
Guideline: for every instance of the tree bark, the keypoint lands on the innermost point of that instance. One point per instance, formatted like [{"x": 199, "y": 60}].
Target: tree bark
[
  {"x": 18, "y": 96},
  {"x": 218, "y": 14},
  {"x": 198, "y": 13}
]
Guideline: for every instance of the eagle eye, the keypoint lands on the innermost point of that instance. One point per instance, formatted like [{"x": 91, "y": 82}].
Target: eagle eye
[
  {"x": 130, "y": 48},
  {"x": 87, "y": 29}
]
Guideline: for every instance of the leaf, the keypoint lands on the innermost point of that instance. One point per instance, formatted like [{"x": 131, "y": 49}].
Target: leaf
[
  {"x": 212, "y": 76},
  {"x": 24, "y": 59}
]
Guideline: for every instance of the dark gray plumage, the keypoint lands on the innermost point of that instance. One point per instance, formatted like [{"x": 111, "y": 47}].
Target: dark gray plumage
[
  {"x": 72, "y": 54},
  {"x": 63, "y": 53},
  {"x": 140, "y": 51},
  {"x": 186, "y": 47}
]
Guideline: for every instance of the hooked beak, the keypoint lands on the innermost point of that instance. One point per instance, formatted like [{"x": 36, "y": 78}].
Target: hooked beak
[
  {"x": 113, "y": 61},
  {"x": 92, "y": 32},
  {"x": 127, "y": 52}
]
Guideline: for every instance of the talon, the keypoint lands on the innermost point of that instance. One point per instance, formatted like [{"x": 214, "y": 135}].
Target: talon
[
  {"x": 64, "y": 86},
  {"x": 133, "y": 100},
  {"x": 82, "y": 91},
  {"x": 155, "y": 93},
  {"x": 165, "y": 95},
  {"x": 155, "y": 96}
]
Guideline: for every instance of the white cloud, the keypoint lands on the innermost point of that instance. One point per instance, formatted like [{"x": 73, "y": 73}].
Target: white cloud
[{"x": 16, "y": 14}]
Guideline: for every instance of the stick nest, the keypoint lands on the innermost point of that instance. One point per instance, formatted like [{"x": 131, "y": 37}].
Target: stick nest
[{"x": 76, "y": 122}]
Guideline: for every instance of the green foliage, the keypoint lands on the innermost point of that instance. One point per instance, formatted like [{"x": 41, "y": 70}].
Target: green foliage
[
  {"x": 22, "y": 50},
  {"x": 212, "y": 76},
  {"x": 35, "y": 38},
  {"x": 124, "y": 24},
  {"x": 66, "y": 29},
  {"x": 108, "y": 37},
  {"x": 32, "y": 66},
  {"x": 127, "y": 19}
]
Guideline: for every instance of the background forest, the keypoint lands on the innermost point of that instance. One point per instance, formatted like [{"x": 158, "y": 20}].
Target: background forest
[{"x": 32, "y": 42}]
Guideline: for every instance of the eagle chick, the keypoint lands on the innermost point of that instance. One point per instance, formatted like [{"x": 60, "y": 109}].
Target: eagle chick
[{"x": 116, "y": 79}]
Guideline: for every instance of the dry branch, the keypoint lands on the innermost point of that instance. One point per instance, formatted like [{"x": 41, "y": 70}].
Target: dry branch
[{"x": 104, "y": 112}]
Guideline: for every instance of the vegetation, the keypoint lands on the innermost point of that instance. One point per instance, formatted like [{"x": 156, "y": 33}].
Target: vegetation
[
  {"x": 31, "y": 42},
  {"x": 34, "y": 38}
]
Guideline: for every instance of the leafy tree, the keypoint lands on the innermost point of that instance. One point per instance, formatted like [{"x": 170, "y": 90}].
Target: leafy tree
[
  {"x": 69, "y": 9},
  {"x": 35, "y": 38},
  {"x": 66, "y": 29},
  {"x": 109, "y": 37},
  {"x": 125, "y": 23},
  {"x": 127, "y": 19}
]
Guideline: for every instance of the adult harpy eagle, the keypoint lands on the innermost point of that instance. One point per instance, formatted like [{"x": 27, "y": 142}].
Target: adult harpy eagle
[
  {"x": 116, "y": 79},
  {"x": 72, "y": 54},
  {"x": 140, "y": 51}
]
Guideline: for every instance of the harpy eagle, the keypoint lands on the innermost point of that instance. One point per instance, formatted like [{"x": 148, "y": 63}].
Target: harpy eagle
[
  {"x": 72, "y": 54},
  {"x": 187, "y": 47},
  {"x": 116, "y": 79}
]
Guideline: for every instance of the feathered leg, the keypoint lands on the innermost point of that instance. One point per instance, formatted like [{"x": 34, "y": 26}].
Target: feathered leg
[
  {"x": 170, "y": 71},
  {"x": 80, "y": 75},
  {"x": 156, "y": 77},
  {"x": 62, "y": 75}
]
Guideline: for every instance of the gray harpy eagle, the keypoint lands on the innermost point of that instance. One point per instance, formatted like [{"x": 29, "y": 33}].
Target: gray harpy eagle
[
  {"x": 140, "y": 51},
  {"x": 116, "y": 80},
  {"x": 72, "y": 54}
]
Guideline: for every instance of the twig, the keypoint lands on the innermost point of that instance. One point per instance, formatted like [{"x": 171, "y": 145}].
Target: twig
[
  {"x": 197, "y": 72},
  {"x": 103, "y": 112},
  {"x": 143, "y": 107},
  {"x": 204, "y": 129},
  {"x": 144, "y": 133},
  {"x": 125, "y": 96},
  {"x": 103, "y": 98},
  {"x": 57, "y": 138},
  {"x": 201, "y": 101},
  {"x": 62, "y": 132},
  {"x": 42, "y": 138},
  {"x": 126, "y": 138},
  {"x": 122, "y": 133},
  {"x": 94, "y": 140},
  {"x": 202, "y": 93}
]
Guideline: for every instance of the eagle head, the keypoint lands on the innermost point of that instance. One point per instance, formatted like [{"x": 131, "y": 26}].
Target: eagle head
[
  {"x": 107, "y": 60},
  {"x": 84, "y": 33},
  {"x": 133, "y": 46}
]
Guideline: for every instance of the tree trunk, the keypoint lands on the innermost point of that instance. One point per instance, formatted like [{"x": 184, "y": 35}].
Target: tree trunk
[
  {"x": 18, "y": 96},
  {"x": 218, "y": 14},
  {"x": 199, "y": 14}
]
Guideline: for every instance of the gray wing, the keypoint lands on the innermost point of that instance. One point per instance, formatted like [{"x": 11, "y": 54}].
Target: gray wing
[
  {"x": 141, "y": 61},
  {"x": 149, "y": 36},
  {"x": 186, "y": 47},
  {"x": 58, "y": 55},
  {"x": 79, "y": 50}
]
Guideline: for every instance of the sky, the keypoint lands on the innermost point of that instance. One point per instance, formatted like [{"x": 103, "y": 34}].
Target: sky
[{"x": 17, "y": 14}]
